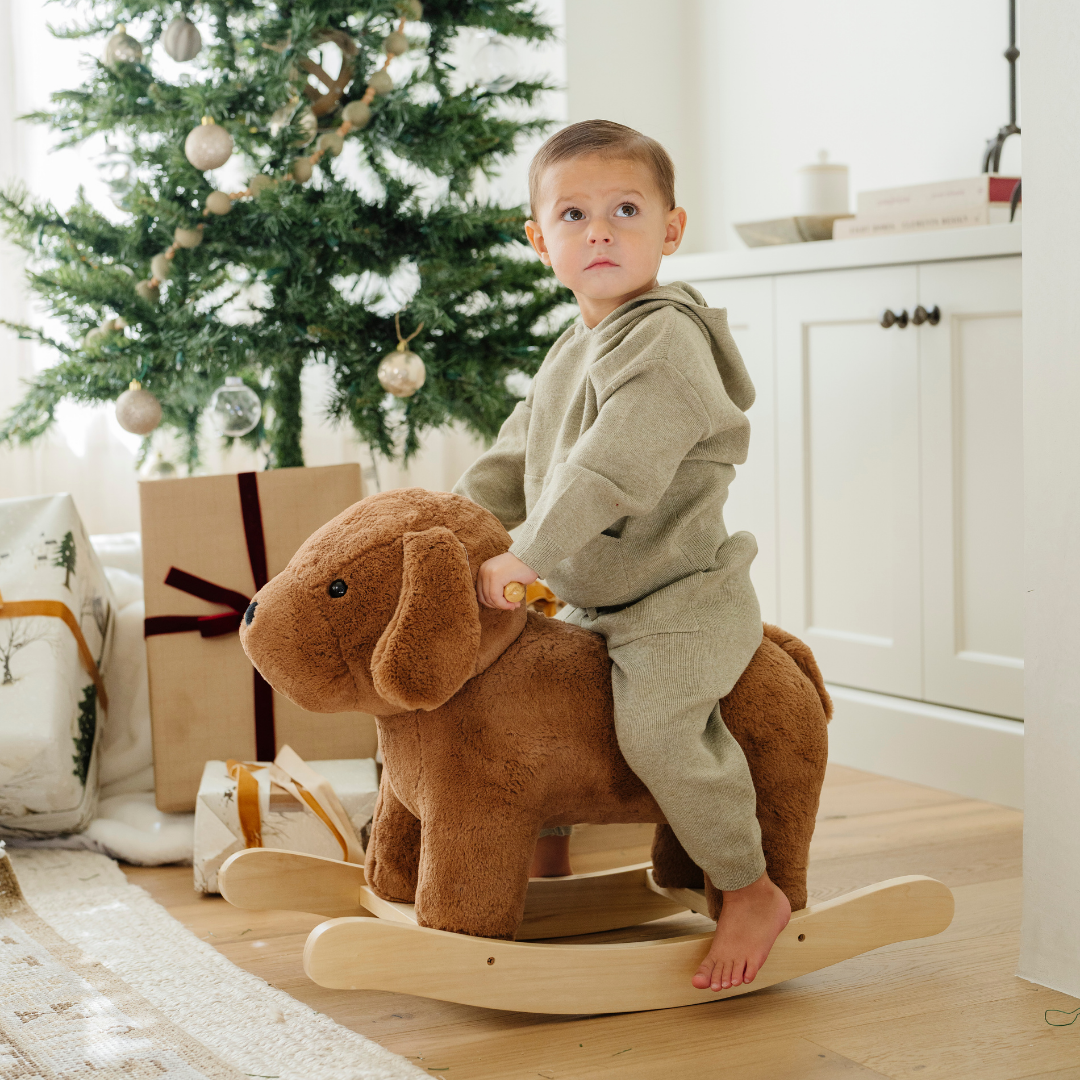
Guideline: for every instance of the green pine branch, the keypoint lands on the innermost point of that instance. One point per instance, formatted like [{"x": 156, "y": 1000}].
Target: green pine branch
[{"x": 305, "y": 260}]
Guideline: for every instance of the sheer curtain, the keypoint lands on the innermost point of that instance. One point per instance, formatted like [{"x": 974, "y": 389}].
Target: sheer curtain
[{"x": 86, "y": 452}]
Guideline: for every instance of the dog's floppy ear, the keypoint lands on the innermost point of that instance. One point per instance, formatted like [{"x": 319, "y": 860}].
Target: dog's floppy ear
[{"x": 428, "y": 650}]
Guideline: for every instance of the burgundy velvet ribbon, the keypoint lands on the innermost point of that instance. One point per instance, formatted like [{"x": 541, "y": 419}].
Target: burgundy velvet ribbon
[{"x": 228, "y": 622}]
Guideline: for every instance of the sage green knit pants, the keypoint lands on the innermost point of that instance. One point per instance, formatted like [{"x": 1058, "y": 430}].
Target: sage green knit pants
[{"x": 673, "y": 654}]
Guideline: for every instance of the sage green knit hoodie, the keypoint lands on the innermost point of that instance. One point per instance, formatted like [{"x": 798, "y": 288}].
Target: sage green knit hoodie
[{"x": 618, "y": 461}]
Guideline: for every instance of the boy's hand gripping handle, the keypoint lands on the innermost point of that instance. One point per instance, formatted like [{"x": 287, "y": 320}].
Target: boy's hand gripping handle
[{"x": 514, "y": 592}]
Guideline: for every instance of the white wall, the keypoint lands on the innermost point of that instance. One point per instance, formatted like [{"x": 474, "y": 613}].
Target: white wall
[
  {"x": 1050, "y": 937},
  {"x": 743, "y": 93}
]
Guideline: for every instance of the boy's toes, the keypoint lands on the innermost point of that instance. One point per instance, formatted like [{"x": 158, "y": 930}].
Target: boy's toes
[
  {"x": 722, "y": 976},
  {"x": 704, "y": 974}
]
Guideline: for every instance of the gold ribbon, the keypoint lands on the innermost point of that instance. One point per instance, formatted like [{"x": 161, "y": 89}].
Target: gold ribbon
[
  {"x": 56, "y": 609},
  {"x": 247, "y": 797}
]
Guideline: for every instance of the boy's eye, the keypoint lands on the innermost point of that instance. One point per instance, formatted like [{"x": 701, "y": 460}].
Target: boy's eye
[
  {"x": 626, "y": 210},
  {"x": 573, "y": 214}
]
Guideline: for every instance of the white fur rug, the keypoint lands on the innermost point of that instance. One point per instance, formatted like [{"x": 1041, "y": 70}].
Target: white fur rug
[{"x": 208, "y": 1017}]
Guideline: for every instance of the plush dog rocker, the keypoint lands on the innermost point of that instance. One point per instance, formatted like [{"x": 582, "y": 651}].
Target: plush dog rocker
[{"x": 494, "y": 724}]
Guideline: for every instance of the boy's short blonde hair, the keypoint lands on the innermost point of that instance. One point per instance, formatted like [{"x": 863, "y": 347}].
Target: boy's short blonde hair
[{"x": 607, "y": 140}]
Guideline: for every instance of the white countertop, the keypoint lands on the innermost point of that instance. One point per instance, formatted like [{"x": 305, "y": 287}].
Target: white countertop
[{"x": 978, "y": 242}]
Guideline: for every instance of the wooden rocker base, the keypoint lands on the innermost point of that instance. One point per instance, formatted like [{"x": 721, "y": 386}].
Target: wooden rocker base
[{"x": 391, "y": 952}]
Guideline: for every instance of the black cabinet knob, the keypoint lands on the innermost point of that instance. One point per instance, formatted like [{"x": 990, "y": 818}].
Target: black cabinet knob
[
  {"x": 890, "y": 318},
  {"x": 921, "y": 315}
]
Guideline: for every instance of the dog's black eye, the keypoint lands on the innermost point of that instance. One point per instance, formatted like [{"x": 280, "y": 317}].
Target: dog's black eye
[{"x": 337, "y": 588}]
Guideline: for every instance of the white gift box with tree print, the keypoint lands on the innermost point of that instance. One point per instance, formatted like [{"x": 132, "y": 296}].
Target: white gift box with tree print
[{"x": 56, "y": 626}]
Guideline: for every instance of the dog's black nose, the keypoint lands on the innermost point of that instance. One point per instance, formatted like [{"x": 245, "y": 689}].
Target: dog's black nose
[{"x": 250, "y": 613}]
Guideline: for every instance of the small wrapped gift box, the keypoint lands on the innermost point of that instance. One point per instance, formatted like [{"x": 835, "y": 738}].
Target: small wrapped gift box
[
  {"x": 56, "y": 626},
  {"x": 209, "y": 542},
  {"x": 318, "y": 807}
]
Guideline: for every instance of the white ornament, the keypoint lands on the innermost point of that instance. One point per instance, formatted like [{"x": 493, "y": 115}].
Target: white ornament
[
  {"x": 305, "y": 121},
  {"x": 122, "y": 48},
  {"x": 161, "y": 267},
  {"x": 495, "y": 65},
  {"x": 137, "y": 410},
  {"x": 260, "y": 183},
  {"x": 181, "y": 39},
  {"x": 301, "y": 170},
  {"x": 402, "y": 372},
  {"x": 234, "y": 409},
  {"x": 208, "y": 146},
  {"x": 148, "y": 291}
]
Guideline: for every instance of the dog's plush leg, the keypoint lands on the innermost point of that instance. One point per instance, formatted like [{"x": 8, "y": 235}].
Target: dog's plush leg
[
  {"x": 672, "y": 867},
  {"x": 393, "y": 855},
  {"x": 474, "y": 873}
]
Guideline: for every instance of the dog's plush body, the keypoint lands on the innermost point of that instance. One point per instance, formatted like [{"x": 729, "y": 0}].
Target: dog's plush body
[{"x": 495, "y": 724}]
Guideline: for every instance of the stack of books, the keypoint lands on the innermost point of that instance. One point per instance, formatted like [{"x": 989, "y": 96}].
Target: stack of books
[{"x": 950, "y": 204}]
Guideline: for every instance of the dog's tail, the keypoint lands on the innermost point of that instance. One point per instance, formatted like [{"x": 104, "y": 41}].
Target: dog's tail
[{"x": 800, "y": 652}]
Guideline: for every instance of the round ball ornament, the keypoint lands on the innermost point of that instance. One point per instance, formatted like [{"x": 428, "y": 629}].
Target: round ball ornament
[
  {"x": 304, "y": 121},
  {"x": 161, "y": 267},
  {"x": 410, "y": 9},
  {"x": 301, "y": 170},
  {"x": 330, "y": 142},
  {"x": 395, "y": 43},
  {"x": 148, "y": 291},
  {"x": 208, "y": 146},
  {"x": 187, "y": 238},
  {"x": 122, "y": 48},
  {"x": 181, "y": 39},
  {"x": 381, "y": 83},
  {"x": 358, "y": 113},
  {"x": 260, "y": 183},
  {"x": 495, "y": 65},
  {"x": 234, "y": 409},
  {"x": 137, "y": 410},
  {"x": 402, "y": 372},
  {"x": 218, "y": 202}
]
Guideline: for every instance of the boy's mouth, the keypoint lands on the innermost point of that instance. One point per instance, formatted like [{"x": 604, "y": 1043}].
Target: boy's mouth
[{"x": 602, "y": 261}]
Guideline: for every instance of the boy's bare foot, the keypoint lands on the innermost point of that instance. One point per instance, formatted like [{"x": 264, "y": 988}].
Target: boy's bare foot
[
  {"x": 750, "y": 921},
  {"x": 551, "y": 857}
]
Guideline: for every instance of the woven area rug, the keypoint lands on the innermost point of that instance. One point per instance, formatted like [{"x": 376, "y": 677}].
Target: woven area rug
[{"x": 97, "y": 980}]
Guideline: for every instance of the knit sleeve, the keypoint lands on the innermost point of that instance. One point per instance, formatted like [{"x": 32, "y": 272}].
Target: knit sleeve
[
  {"x": 496, "y": 480},
  {"x": 621, "y": 466}
]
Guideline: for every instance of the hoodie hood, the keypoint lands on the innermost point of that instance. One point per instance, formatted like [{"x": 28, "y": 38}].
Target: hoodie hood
[{"x": 712, "y": 322}]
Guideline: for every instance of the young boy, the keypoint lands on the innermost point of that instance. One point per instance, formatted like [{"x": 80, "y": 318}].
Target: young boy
[{"x": 616, "y": 466}]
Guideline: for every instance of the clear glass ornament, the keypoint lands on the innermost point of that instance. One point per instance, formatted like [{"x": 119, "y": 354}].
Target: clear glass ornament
[
  {"x": 495, "y": 65},
  {"x": 402, "y": 372},
  {"x": 234, "y": 409}
]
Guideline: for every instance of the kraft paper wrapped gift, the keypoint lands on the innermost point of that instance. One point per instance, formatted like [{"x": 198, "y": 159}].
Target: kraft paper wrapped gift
[
  {"x": 209, "y": 542},
  {"x": 317, "y": 807},
  {"x": 56, "y": 629}
]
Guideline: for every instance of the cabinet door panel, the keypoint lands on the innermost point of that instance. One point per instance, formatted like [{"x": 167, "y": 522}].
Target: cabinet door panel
[
  {"x": 972, "y": 413},
  {"x": 751, "y": 503},
  {"x": 848, "y": 474}
]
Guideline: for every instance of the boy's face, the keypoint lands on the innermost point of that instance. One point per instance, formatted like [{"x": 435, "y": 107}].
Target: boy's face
[{"x": 602, "y": 226}]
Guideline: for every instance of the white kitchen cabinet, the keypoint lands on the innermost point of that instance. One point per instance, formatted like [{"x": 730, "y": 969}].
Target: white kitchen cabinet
[
  {"x": 848, "y": 475},
  {"x": 971, "y": 415},
  {"x": 884, "y": 487},
  {"x": 751, "y": 502}
]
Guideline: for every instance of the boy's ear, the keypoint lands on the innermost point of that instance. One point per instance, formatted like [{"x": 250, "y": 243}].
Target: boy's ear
[
  {"x": 676, "y": 227},
  {"x": 536, "y": 238}
]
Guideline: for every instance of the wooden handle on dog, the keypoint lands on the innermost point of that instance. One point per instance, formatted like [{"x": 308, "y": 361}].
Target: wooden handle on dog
[{"x": 514, "y": 592}]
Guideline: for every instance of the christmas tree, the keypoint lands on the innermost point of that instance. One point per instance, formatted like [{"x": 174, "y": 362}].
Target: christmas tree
[{"x": 353, "y": 178}]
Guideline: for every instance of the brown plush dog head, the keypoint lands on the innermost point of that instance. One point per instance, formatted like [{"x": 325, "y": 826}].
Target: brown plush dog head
[{"x": 377, "y": 611}]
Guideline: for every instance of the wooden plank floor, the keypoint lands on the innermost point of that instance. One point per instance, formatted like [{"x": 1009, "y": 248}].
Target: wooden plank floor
[{"x": 945, "y": 1008}]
